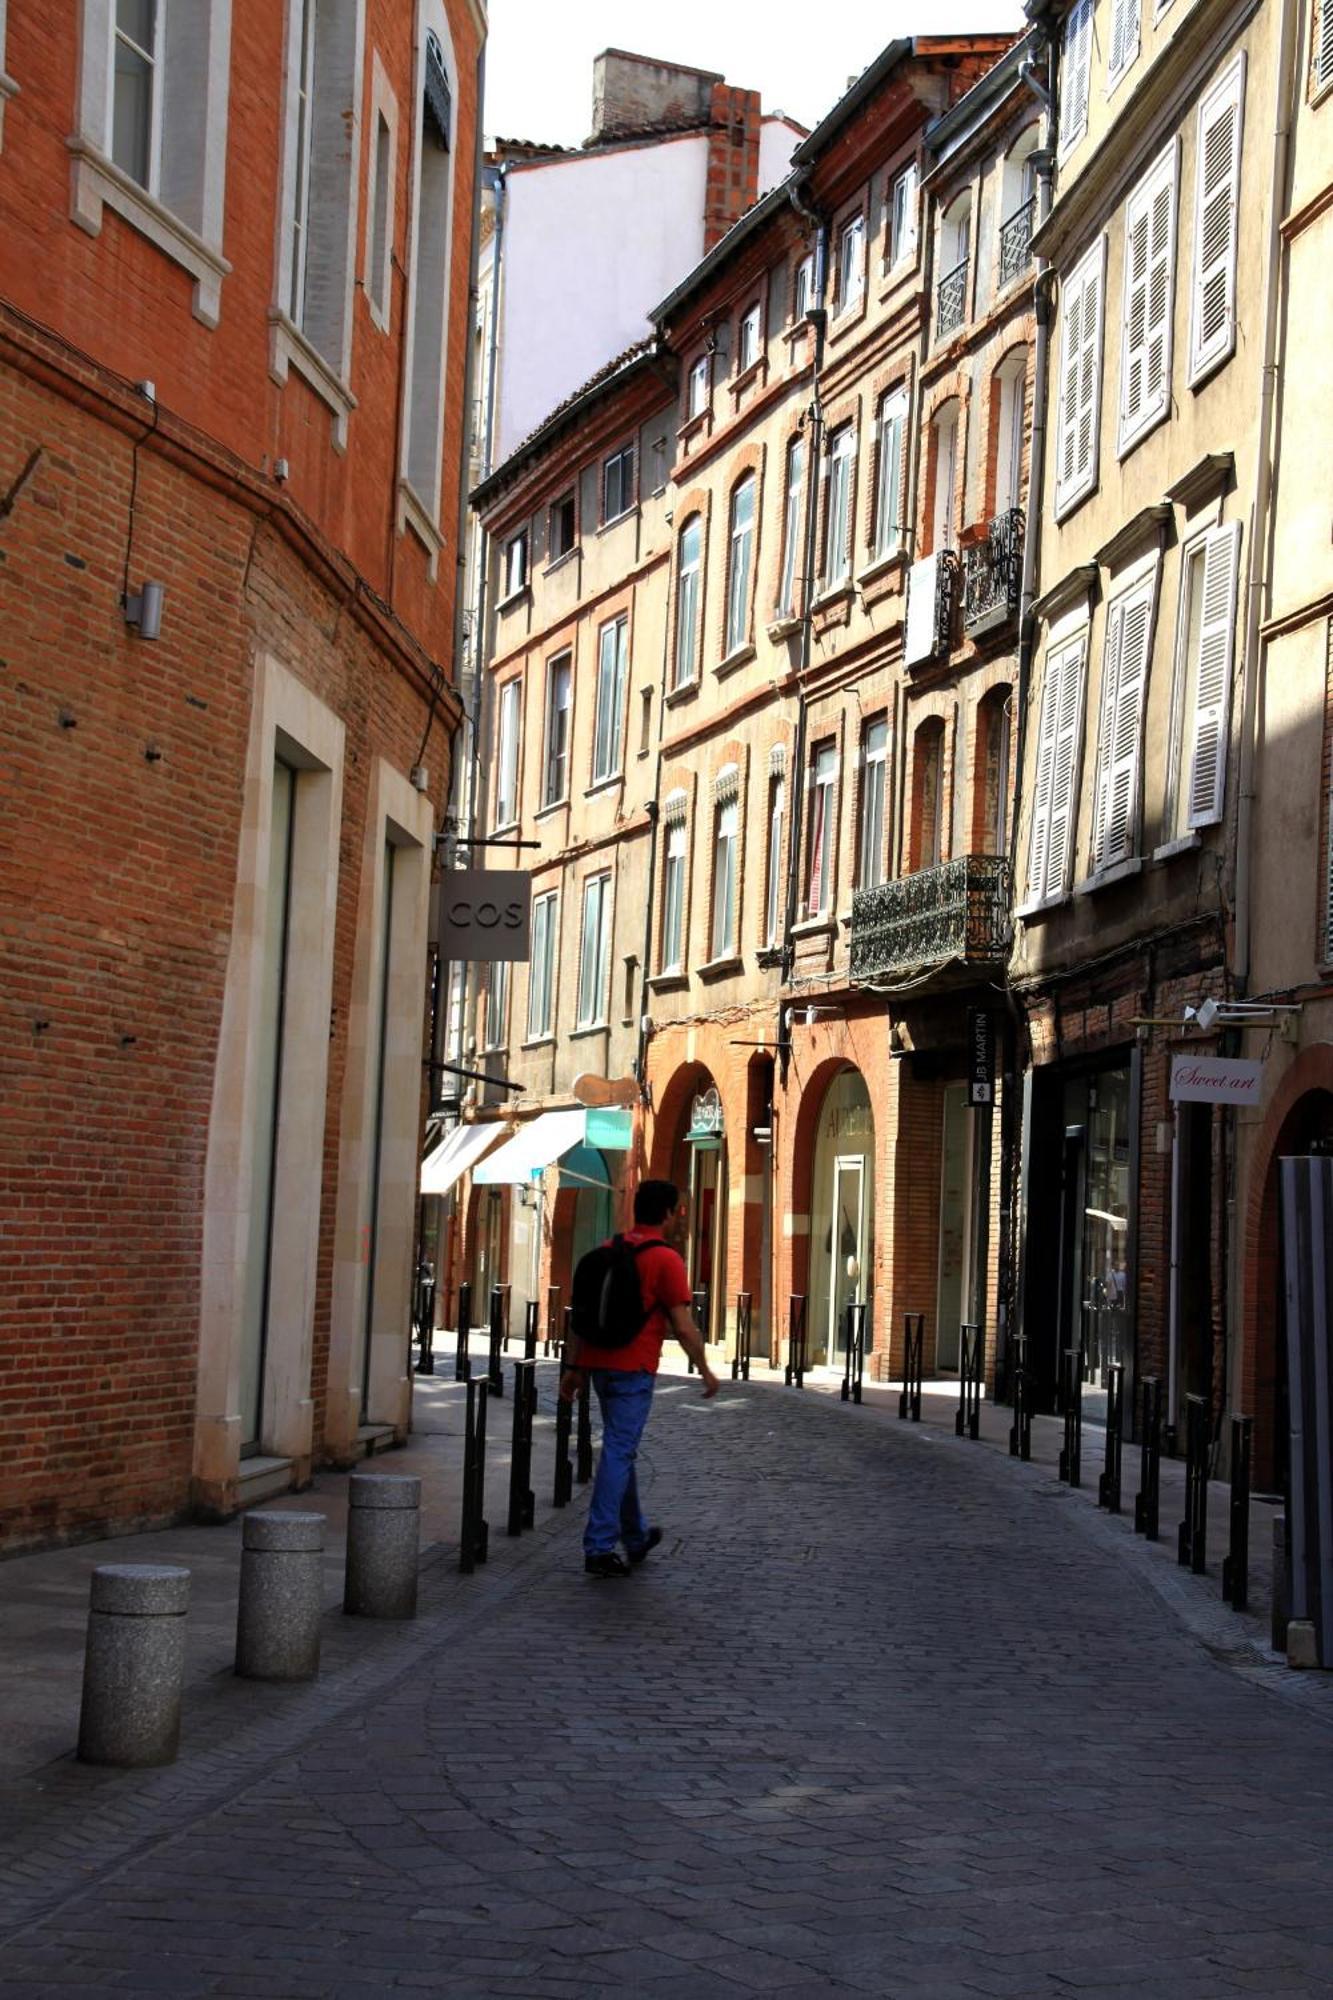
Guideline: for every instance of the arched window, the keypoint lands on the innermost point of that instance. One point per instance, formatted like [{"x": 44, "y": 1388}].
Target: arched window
[
  {"x": 944, "y": 476},
  {"x": 992, "y": 777},
  {"x": 740, "y": 548},
  {"x": 688, "y": 572},
  {"x": 1008, "y": 415},
  {"x": 955, "y": 254},
  {"x": 928, "y": 819}
]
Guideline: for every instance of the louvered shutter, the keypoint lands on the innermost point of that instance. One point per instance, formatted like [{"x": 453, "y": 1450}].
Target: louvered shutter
[
  {"x": 1125, "y": 680},
  {"x": 1064, "y": 765},
  {"x": 1041, "y": 791},
  {"x": 1124, "y": 36},
  {"x": 1217, "y": 193},
  {"x": 1080, "y": 380},
  {"x": 1323, "y": 47},
  {"x": 1150, "y": 253},
  {"x": 1075, "y": 74},
  {"x": 1212, "y": 679}
]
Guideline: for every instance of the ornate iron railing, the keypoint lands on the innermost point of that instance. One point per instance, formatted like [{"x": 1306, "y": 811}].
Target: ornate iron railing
[
  {"x": 951, "y": 300},
  {"x": 992, "y": 573},
  {"x": 1016, "y": 240},
  {"x": 958, "y": 910}
]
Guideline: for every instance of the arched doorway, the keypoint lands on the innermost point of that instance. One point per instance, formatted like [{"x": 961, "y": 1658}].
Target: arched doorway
[
  {"x": 690, "y": 1148},
  {"x": 842, "y": 1218},
  {"x": 584, "y": 1172}
]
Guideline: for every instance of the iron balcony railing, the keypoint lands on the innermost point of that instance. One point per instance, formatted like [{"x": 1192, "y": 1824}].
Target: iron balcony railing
[
  {"x": 992, "y": 574},
  {"x": 951, "y": 300},
  {"x": 1016, "y": 240},
  {"x": 959, "y": 910}
]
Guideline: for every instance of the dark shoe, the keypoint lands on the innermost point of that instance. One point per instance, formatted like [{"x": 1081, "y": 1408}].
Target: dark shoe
[
  {"x": 637, "y": 1556},
  {"x": 609, "y": 1564}
]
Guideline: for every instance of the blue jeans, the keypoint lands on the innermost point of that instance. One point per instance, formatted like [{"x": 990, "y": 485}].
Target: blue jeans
[{"x": 625, "y": 1396}]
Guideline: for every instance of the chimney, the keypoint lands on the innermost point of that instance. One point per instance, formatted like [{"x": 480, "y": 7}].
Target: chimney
[
  {"x": 633, "y": 94},
  {"x": 733, "y": 159}
]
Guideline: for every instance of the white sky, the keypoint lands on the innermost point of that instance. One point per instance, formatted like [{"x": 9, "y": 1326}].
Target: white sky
[{"x": 798, "y": 54}]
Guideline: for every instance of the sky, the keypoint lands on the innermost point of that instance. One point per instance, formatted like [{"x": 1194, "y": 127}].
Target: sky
[{"x": 799, "y": 54}]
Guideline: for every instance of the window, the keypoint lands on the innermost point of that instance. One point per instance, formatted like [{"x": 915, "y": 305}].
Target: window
[
  {"x": 1010, "y": 414},
  {"x": 379, "y": 254},
  {"x": 136, "y": 109},
  {"x": 1150, "y": 255},
  {"x": 506, "y": 774},
  {"x": 303, "y": 94},
  {"x": 673, "y": 896},
  {"x": 889, "y": 473},
  {"x": 1124, "y": 39},
  {"x": 803, "y": 289},
  {"x": 851, "y": 263},
  {"x": 1075, "y": 75},
  {"x": 515, "y": 565},
  {"x": 595, "y": 952},
  {"x": 497, "y": 1003},
  {"x": 541, "y": 966},
  {"x": 955, "y": 261},
  {"x": 902, "y": 217},
  {"x": 740, "y": 545},
  {"x": 777, "y": 801},
  {"x": 1079, "y": 415},
  {"x": 645, "y": 720},
  {"x": 618, "y": 484},
  {"x": 555, "y": 766},
  {"x": 791, "y": 526},
  {"x": 1323, "y": 47},
  {"x": 609, "y": 721},
  {"x": 747, "y": 347},
  {"x": 432, "y": 212},
  {"x": 945, "y": 428},
  {"x": 874, "y": 766},
  {"x": 838, "y": 507},
  {"x": 1129, "y": 620},
  {"x": 564, "y": 526},
  {"x": 928, "y": 795},
  {"x": 1217, "y": 194},
  {"x": 994, "y": 744},
  {"x": 723, "y": 940},
  {"x": 697, "y": 399},
  {"x": 687, "y": 601},
  {"x": 1201, "y": 697},
  {"x": 1055, "y": 796},
  {"x": 819, "y": 873}
]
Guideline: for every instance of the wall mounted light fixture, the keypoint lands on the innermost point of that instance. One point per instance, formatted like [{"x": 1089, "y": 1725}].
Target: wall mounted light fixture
[{"x": 143, "y": 609}]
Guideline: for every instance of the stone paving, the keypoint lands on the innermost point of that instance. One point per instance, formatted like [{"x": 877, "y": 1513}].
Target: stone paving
[{"x": 884, "y": 1715}]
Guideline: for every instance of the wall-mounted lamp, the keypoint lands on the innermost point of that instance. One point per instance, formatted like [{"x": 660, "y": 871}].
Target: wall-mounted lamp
[
  {"x": 143, "y": 609},
  {"x": 1212, "y": 1013}
]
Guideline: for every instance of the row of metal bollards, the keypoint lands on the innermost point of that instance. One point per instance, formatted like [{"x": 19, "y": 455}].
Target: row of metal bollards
[{"x": 134, "y": 1663}]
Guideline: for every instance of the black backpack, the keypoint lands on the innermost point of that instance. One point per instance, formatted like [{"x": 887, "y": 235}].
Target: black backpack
[{"x": 607, "y": 1299}]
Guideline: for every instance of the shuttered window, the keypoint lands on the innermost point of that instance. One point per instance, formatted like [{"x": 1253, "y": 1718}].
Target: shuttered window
[
  {"x": 1322, "y": 55},
  {"x": 1214, "y": 647},
  {"x": 1075, "y": 75},
  {"x": 1124, "y": 39},
  {"x": 1150, "y": 254},
  {"x": 1129, "y": 625},
  {"x": 1055, "y": 796},
  {"x": 1080, "y": 379},
  {"x": 1216, "y": 198}
]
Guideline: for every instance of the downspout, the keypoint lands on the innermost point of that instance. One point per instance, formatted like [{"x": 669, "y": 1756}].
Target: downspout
[{"x": 654, "y": 812}]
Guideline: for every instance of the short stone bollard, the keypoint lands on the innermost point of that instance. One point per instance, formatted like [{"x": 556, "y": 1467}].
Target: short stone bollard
[
  {"x": 383, "y": 1534},
  {"x": 134, "y": 1664},
  {"x": 282, "y": 1596}
]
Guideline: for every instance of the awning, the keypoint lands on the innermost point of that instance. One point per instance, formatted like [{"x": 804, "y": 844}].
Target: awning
[
  {"x": 536, "y": 1146},
  {"x": 461, "y": 1148}
]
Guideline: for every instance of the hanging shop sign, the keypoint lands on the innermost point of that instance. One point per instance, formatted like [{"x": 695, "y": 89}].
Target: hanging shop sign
[
  {"x": 482, "y": 914},
  {"x": 706, "y": 1117},
  {"x": 980, "y": 1056},
  {"x": 1215, "y": 1080}
]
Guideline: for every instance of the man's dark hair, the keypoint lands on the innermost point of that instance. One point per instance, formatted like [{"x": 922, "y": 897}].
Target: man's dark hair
[{"x": 654, "y": 1201}]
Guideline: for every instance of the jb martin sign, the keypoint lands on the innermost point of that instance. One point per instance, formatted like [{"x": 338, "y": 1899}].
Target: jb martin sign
[
  {"x": 1215, "y": 1080},
  {"x": 482, "y": 914},
  {"x": 980, "y": 1057}
]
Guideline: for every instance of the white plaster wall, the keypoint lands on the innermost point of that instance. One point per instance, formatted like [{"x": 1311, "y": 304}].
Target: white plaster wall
[{"x": 777, "y": 142}]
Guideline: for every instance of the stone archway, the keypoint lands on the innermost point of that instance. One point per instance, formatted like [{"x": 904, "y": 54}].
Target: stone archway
[{"x": 690, "y": 1147}]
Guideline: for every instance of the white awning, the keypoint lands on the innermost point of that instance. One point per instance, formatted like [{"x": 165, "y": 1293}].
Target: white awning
[
  {"x": 532, "y": 1149},
  {"x": 464, "y": 1145}
]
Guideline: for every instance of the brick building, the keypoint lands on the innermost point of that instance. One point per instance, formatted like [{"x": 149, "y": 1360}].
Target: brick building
[{"x": 233, "y": 344}]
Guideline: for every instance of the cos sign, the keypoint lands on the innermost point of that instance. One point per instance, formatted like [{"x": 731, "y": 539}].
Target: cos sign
[{"x": 482, "y": 913}]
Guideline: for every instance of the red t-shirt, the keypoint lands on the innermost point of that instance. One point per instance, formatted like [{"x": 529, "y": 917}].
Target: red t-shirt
[{"x": 664, "y": 1282}]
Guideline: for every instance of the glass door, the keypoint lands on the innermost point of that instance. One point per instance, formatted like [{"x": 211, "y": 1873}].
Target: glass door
[
  {"x": 847, "y": 1280},
  {"x": 954, "y": 1291}
]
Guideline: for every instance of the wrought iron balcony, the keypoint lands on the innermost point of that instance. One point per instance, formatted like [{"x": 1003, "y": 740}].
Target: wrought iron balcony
[
  {"x": 958, "y": 911},
  {"x": 951, "y": 300},
  {"x": 1016, "y": 240},
  {"x": 992, "y": 574}
]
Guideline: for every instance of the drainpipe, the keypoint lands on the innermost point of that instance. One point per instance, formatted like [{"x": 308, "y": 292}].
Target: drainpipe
[{"x": 654, "y": 811}]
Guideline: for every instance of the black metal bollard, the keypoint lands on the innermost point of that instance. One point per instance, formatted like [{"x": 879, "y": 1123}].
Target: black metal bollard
[
  {"x": 1192, "y": 1538},
  {"x": 740, "y": 1360},
  {"x": 1108, "y": 1486},
  {"x": 967, "y": 1422},
  {"x": 499, "y": 1337},
  {"x": 1147, "y": 1501},
  {"x": 530, "y": 1331},
  {"x": 853, "y": 1370},
  {"x": 462, "y": 1352},
  {"x": 700, "y": 1304},
  {"x": 424, "y": 1304},
  {"x": 914, "y": 1349},
  {"x": 585, "y": 1432},
  {"x": 1071, "y": 1451},
  {"x": 1236, "y": 1562},
  {"x": 1020, "y": 1430},
  {"x": 475, "y": 1536},
  {"x": 522, "y": 1499},
  {"x": 553, "y": 1322},
  {"x": 795, "y": 1369},
  {"x": 564, "y": 1465}
]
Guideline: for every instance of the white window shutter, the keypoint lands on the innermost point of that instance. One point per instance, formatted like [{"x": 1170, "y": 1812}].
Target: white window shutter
[
  {"x": 1064, "y": 771},
  {"x": 1075, "y": 74},
  {"x": 1212, "y": 684},
  {"x": 1124, "y": 37},
  {"x": 1041, "y": 791},
  {"x": 1323, "y": 48},
  {"x": 1216, "y": 221},
  {"x": 922, "y": 586},
  {"x": 1128, "y": 639},
  {"x": 1150, "y": 251},
  {"x": 1080, "y": 380}
]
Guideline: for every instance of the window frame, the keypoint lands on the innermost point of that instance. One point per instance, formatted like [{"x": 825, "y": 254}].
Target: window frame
[
  {"x": 625, "y": 457},
  {"x": 675, "y": 878},
  {"x": 152, "y": 60},
  {"x": 803, "y": 288},
  {"x": 737, "y": 627},
  {"x": 599, "y": 880},
  {"x": 556, "y": 762},
  {"x": 750, "y": 334},
  {"x": 889, "y": 467},
  {"x": 773, "y": 906},
  {"x": 508, "y": 736},
  {"x": 545, "y": 932},
  {"x": 871, "y": 850},
  {"x": 851, "y": 294},
  {"x": 689, "y": 615},
  {"x": 556, "y": 513},
  {"x": 698, "y": 388},
  {"x": 902, "y": 243},
  {"x": 726, "y": 854},
  {"x": 839, "y": 511},
  {"x": 618, "y": 682},
  {"x": 793, "y": 492},
  {"x": 511, "y": 543},
  {"x": 822, "y": 837}
]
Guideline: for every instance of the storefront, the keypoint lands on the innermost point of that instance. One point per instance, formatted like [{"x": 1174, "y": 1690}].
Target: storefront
[
  {"x": 842, "y": 1220},
  {"x": 706, "y": 1142}
]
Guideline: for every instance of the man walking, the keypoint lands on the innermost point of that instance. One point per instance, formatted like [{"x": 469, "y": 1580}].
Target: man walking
[{"x": 623, "y": 1379}]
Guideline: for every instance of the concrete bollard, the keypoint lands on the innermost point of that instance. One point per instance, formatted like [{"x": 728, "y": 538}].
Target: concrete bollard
[
  {"x": 282, "y": 1596},
  {"x": 134, "y": 1665},
  {"x": 383, "y": 1536}
]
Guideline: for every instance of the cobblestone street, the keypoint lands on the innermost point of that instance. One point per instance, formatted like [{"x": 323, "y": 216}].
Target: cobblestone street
[{"x": 885, "y": 1714}]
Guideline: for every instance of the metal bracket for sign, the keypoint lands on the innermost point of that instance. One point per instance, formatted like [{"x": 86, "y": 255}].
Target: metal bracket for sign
[
  {"x": 477, "y": 840},
  {"x": 476, "y": 1075}
]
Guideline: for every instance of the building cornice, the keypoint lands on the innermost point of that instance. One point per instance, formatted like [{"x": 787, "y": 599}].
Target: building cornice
[{"x": 1148, "y": 523}]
